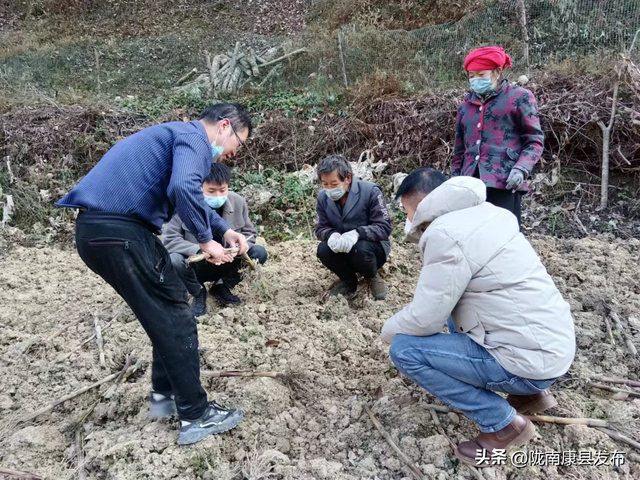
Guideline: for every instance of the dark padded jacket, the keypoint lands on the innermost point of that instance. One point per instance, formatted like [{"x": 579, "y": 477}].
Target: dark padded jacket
[{"x": 365, "y": 211}]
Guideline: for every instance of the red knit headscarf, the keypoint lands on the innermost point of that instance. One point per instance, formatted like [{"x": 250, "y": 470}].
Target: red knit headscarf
[{"x": 487, "y": 58}]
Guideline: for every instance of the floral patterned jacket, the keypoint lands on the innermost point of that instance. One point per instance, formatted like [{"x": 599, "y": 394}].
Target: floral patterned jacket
[{"x": 496, "y": 134}]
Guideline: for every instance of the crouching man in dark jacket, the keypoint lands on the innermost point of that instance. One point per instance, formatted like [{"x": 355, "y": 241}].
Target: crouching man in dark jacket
[
  {"x": 181, "y": 244},
  {"x": 353, "y": 225}
]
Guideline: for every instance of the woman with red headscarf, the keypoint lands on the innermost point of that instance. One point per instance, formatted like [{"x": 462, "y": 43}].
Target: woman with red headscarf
[{"x": 498, "y": 133}]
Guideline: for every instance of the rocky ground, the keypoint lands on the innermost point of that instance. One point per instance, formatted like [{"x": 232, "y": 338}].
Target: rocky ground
[{"x": 311, "y": 426}]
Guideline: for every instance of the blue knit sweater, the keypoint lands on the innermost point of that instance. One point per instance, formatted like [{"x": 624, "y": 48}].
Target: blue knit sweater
[{"x": 152, "y": 174}]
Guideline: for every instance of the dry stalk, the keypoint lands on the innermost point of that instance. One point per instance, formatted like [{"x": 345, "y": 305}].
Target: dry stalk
[
  {"x": 188, "y": 75},
  {"x": 436, "y": 420},
  {"x": 630, "y": 346},
  {"x": 51, "y": 406},
  {"x": 203, "y": 256},
  {"x": 591, "y": 422},
  {"x": 606, "y": 140},
  {"x": 614, "y": 389},
  {"x": 99, "y": 341},
  {"x": 407, "y": 461},
  {"x": 240, "y": 373},
  {"x": 620, "y": 437},
  {"x": 8, "y": 473},
  {"x": 607, "y": 323},
  {"x": 82, "y": 475},
  {"x": 617, "y": 381},
  {"x": 124, "y": 373}
]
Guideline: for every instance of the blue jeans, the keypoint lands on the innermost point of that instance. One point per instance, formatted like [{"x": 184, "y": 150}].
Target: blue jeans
[{"x": 464, "y": 375}]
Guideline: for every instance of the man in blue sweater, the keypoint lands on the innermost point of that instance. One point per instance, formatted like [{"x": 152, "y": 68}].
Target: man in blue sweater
[{"x": 124, "y": 201}]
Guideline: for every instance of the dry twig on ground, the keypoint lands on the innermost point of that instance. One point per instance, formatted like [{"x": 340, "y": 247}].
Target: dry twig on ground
[
  {"x": 407, "y": 461},
  {"x": 627, "y": 339},
  {"x": 614, "y": 389},
  {"x": 6, "y": 472},
  {"x": 239, "y": 373},
  {"x": 31, "y": 416},
  {"x": 620, "y": 437},
  {"x": 436, "y": 420},
  {"x": 591, "y": 422},
  {"x": 617, "y": 381}
]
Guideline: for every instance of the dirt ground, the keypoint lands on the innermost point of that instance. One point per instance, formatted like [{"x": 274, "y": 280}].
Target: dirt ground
[{"x": 312, "y": 426}]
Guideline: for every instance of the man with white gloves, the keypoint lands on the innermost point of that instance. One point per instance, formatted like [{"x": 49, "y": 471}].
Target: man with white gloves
[
  {"x": 353, "y": 226},
  {"x": 510, "y": 329}
]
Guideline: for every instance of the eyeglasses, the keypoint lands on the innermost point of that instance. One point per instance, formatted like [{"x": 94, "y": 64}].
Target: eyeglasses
[{"x": 242, "y": 144}]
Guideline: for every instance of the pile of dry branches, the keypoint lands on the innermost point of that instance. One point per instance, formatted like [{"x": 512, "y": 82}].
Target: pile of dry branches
[{"x": 231, "y": 71}]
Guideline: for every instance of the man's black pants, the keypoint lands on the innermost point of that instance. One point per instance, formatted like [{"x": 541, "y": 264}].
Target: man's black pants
[
  {"x": 506, "y": 199},
  {"x": 365, "y": 258},
  {"x": 134, "y": 262}
]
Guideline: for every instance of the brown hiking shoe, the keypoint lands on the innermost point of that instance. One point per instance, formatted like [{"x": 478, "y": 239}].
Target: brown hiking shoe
[
  {"x": 378, "y": 288},
  {"x": 516, "y": 434},
  {"x": 532, "y": 404}
]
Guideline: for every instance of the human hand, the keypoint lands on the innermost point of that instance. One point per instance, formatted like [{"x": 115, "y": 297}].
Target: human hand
[
  {"x": 334, "y": 241},
  {"x": 214, "y": 251},
  {"x": 515, "y": 180},
  {"x": 234, "y": 239}
]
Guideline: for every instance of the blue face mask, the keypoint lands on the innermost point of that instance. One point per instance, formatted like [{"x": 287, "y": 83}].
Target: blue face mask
[
  {"x": 216, "y": 151},
  {"x": 335, "y": 194},
  {"x": 215, "y": 202},
  {"x": 482, "y": 85}
]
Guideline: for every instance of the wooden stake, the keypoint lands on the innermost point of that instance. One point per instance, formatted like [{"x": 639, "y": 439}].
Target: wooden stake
[
  {"x": 239, "y": 373},
  {"x": 591, "y": 422},
  {"x": 99, "y": 341},
  {"x": 627, "y": 339},
  {"x": 51, "y": 406},
  {"x": 618, "y": 381},
  {"x": 618, "y": 436},
  {"x": 5, "y": 472},
  {"x": 607, "y": 323},
  {"x": 344, "y": 68},
  {"x": 407, "y": 461},
  {"x": 436, "y": 420},
  {"x": 606, "y": 139},
  {"x": 614, "y": 389}
]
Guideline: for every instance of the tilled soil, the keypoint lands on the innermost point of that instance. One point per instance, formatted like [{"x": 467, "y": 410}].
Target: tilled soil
[{"x": 311, "y": 426}]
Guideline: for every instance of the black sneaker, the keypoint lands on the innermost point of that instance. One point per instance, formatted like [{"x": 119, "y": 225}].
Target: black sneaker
[
  {"x": 199, "y": 305},
  {"x": 346, "y": 289},
  {"x": 216, "y": 419},
  {"x": 222, "y": 293},
  {"x": 161, "y": 405}
]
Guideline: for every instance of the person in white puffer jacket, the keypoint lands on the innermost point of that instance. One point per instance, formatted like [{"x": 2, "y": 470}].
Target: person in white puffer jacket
[{"x": 510, "y": 329}]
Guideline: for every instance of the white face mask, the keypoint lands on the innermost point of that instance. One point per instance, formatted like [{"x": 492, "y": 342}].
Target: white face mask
[{"x": 407, "y": 227}]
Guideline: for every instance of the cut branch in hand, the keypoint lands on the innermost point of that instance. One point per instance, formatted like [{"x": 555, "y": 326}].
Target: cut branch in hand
[{"x": 203, "y": 256}]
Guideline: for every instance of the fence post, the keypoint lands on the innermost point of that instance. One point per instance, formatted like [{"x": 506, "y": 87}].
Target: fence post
[
  {"x": 522, "y": 19},
  {"x": 344, "y": 68}
]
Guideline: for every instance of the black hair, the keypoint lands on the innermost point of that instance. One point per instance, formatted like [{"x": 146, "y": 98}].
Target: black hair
[
  {"x": 334, "y": 162},
  {"x": 234, "y": 112},
  {"x": 219, "y": 173},
  {"x": 422, "y": 181}
]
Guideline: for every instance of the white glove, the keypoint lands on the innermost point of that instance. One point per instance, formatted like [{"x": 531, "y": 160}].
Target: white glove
[
  {"x": 334, "y": 242},
  {"x": 348, "y": 240}
]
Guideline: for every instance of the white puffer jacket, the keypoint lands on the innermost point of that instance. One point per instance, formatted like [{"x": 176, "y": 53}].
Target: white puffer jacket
[{"x": 480, "y": 270}]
